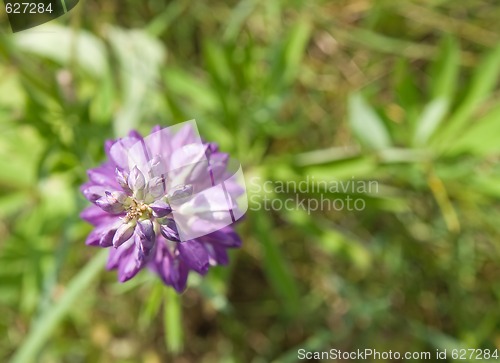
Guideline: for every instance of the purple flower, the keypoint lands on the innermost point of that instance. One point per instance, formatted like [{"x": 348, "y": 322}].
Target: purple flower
[{"x": 166, "y": 202}]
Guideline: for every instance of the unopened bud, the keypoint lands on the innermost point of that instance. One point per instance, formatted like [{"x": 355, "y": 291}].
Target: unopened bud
[
  {"x": 121, "y": 178},
  {"x": 157, "y": 167},
  {"x": 156, "y": 187},
  {"x": 168, "y": 229},
  {"x": 112, "y": 202},
  {"x": 147, "y": 236},
  {"x": 123, "y": 233},
  {"x": 160, "y": 209},
  {"x": 180, "y": 192},
  {"x": 136, "y": 180}
]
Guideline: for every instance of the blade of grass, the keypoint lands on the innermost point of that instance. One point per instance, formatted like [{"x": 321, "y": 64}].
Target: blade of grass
[
  {"x": 275, "y": 266},
  {"x": 287, "y": 60},
  {"x": 46, "y": 324},
  {"x": 295, "y": 49},
  {"x": 483, "y": 82},
  {"x": 152, "y": 305},
  {"x": 444, "y": 75},
  {"x": 160, "y": 24},
  {"x": 173, "y": 321},
  {"x": 431, "y": 118},
  {"x": 481, "y": 138},
  {"x": 238, "y": 16},
  {"x": 381, "y": 43},
  {"x": 441, "y": 196},
  {"x": 366, "y": 124}
]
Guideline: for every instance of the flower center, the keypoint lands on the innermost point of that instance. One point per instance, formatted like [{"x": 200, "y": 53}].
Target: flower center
[{"x": 138, "y": 210}]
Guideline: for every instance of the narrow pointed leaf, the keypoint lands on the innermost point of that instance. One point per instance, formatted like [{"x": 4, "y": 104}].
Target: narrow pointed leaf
[
  {"x": 366, "y": 124},
  {"x": 431, "y": 118}
]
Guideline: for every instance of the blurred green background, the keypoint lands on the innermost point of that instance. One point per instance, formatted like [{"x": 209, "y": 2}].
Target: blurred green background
[{"x": 404, "y": 93}]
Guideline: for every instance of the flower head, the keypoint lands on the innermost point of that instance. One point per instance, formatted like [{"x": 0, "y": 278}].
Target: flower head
[{"x": 166, "y": 202}]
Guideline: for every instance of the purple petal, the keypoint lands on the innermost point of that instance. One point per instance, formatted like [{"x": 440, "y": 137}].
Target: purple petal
[
  {"x": 136, "y": 180},
  {"x": 125, "y": 259},
  {"x": 211, "y": 148},
  {"x": 146, "y": 237},
  {"x": 180, "y": 192},
  {"x": 104, "y": 176},
  {"x": 178, "y": 275},
  {"x": 94, "y": 237},
  {"x": 157, "y": 167},
  {"x": 107, "y": 147},
  {"x": 123, "y": 234},
  {"x": 156, "y": 187},
  {"x": 157, "y": 264},
  {"x": 122, "y": 178},
  {"x": 110, "y": 204},
  {"x": 92, "y": 192},
  {"x": 194, "y": 255},
  {"x": 119, "y": 151},
  {"x": 135, "y": 134},
  {"x": 160, "y": 209},
  {"x": 107, "y": 238},
  {"x": 95, "y": 215},
  {"x": 101, "y": 234},
  {"x": 217, "y": 255},
  {"x": 171, "y": 269},
  {"x": 156, "y": 128},
  {"x": 218, "y": 167},
  {"x": 184, "y": 137},
  {"x": 168, "y": 229},
  {"x": 225, "y": 237},
  {"x": 129, "y": 265},
  {"x": 114, "y": 256},
  {"x": 159, "y": 144},
  {"x": 117, "y": 197}
]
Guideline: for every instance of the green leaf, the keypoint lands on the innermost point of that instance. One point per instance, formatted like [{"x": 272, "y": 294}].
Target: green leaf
[
  {"x": 64, "y": 45},
  {"x": 444, "y": 74},
  {"x": 431, "y": 118},
  {"x": 409, "y": 96},
  {"x": 482, "y": 137},
  {"x": 287, "y": 60},
  {"x": 483, "y": 82},
  {"x": 295, "y": 48},
  {"x": 238, "y": 16},
  {"x": 366, "y": 124},
  {"x": 359, "y": 166},
  {"x": 217, "y": 63},
  {"x": 160, "y": 24}
]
